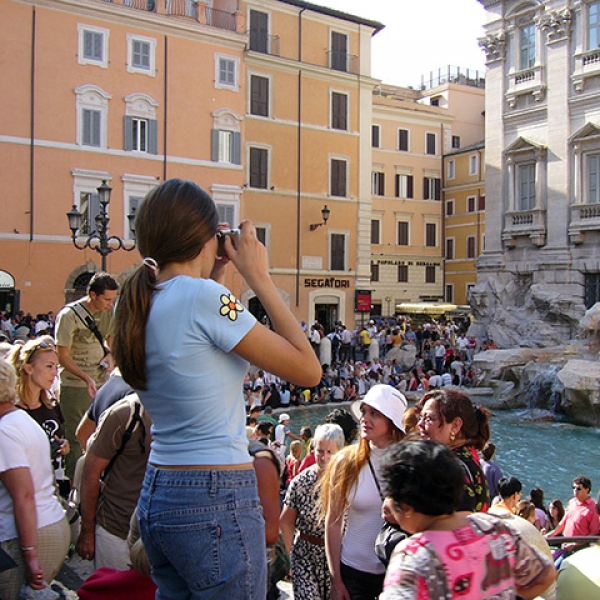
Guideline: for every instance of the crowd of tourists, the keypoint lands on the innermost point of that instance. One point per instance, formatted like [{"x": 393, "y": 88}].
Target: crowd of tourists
[{"x": 180, "y": 481}]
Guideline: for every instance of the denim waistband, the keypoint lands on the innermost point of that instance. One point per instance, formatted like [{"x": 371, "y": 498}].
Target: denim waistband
[{"x": 187, "y": 478}]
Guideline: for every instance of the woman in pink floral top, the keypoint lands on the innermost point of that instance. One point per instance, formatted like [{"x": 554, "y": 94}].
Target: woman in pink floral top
[{"x": 449, "y": 555}]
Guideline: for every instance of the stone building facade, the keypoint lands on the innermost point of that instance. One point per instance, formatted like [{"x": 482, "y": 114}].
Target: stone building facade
[{"x": 541, "y": 265}]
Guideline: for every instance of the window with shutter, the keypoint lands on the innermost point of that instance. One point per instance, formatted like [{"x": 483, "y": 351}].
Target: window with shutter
[
  {"x": 430, "y": 145},
  {"x": 338, "y": 177},
  {"x": 226, "y": 213},
  {"x": 338, "y": 251},
  {"x": 429, "y": 274},
  {"x": 375, "y": 226},
  {"x": 259, "y": 158},
  {"x": 404, "y": 186},
  {"x": 430, "y": 235},
  {"x": 432, "y": 188},
  {"x": 402, "y": 273},
  {"x": 449, "y": 248},
  {"x": 403, "y": 233},
  {"x": 259, "y": 31},
  {"x": 403, "y": 140},
  {"x": 470, "y": 246},
  {"x": 339, "y": 111},
  {"x": 374, "y": 272},
  {"x": 378, "y": 183},
  {"x": 226, "y": 71},
  {"x": 375, "y": 135},
  {"x": 91, "y": 127},
  {"x": 93, "y": 45},
  {"x": 259, "y": 96},
  {"x": 339, "y": 51},
  {"x": 140, "y": 55},
  {"x": 89, "y": 207}
]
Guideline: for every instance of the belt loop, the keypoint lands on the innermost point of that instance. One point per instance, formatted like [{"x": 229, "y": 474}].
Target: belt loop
[
  {"x": 153, "y": 479},
  {"x": 214, "y": 482}
]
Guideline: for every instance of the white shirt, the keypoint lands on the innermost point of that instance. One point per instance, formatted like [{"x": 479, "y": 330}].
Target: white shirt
[{"x": 23, "y": 443}]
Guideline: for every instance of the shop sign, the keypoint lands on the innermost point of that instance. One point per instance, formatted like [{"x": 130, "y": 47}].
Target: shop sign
[
  {"x": 327, "y": 282},
  {"x": 7, "y": 281}
]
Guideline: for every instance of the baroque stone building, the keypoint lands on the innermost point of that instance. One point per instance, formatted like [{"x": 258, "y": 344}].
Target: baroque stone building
[{"x": 541, "y": 265}]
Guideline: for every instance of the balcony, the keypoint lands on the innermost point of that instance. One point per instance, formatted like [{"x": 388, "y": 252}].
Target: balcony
[
  {"x": 195, "y": 10},
  {"x": 342, "y": 61},
  {"x": 587, "y": 66},
  {"x": 529, "y": 223},
  {"x": 584, "y": 217},
  {"x": 526, "y": 81},
  {"x": 262, "y": 42}
]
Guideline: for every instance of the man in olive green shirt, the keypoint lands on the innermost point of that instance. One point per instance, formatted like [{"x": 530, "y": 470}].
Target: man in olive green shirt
[{"x": 84, "y": 360}]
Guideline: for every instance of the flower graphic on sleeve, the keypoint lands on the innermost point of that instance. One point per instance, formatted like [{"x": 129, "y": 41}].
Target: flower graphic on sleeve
[{"x": 230, "y": 307}]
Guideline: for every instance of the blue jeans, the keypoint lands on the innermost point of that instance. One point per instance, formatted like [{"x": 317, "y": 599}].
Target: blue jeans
[{"x": 204, "y": 534}]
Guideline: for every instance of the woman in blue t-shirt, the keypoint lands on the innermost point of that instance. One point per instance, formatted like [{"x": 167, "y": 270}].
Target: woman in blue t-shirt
[{"x": 183, "y": 341}]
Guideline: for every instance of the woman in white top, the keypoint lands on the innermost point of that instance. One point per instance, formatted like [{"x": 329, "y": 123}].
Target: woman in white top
[
  {"x": 350, "y": 495},
  {"x": 33, "y": 529}
]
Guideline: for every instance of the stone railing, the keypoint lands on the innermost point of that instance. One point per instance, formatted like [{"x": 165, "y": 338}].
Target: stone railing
[{"x": 531, "y": 223}]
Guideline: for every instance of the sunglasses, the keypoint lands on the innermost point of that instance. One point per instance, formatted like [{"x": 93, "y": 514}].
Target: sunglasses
[{"x": 44, "y": 346}]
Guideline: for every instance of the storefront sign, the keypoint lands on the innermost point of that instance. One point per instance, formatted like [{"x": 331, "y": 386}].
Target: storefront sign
[
  {"x": 409, "y": 263},
  {"x": 362, "y": 301},
  {"x": 7, "y": 281},
  {"x": 327, "y": 282}
]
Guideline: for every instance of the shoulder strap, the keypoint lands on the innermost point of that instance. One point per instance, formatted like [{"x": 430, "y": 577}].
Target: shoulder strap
[
  {"x": 135, "y": 419},
  {"x": 375, "y": 478},
  {"x": 89, "y": 321}
]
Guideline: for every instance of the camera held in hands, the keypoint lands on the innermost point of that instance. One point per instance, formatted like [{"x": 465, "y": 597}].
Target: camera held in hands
[
  {"x": 55, "y": 446},
  {"x": 234, "y": 234}
]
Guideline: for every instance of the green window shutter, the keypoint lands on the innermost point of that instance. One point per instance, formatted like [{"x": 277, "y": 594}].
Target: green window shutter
[
  {"x": 152, "y": 136},
  {"x": 236, "y": 148},
  {"x": 128, "y": 131},
  {"x": 215, "y": 145}
]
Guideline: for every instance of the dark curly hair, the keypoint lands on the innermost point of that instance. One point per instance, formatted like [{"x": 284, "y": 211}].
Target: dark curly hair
[
  {"x": 425, "y": 475},
  {"x": 451, "y": 404},
  {"x": 346, "y": 421}
]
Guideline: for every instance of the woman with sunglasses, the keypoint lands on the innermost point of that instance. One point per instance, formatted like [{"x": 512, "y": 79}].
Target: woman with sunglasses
[
  {"x": 36, "y": 366},
  {"x": 183, "y": 342},
  {"x": 449, "y": 417},
  {"x": 33, "y": 529}
]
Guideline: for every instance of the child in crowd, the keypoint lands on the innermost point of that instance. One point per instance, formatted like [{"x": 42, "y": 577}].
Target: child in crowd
[{"x": 292, "y": 462}]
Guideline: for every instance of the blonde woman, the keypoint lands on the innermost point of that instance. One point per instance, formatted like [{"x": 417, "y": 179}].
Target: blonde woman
[
  {"x": 33, "y": 527},
  {"x": 350, "y": 495},
  {"x": 36, "y": 366}
]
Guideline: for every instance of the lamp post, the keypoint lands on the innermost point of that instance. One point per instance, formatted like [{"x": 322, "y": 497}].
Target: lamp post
[
  {"x": 325, "y": 212},
  {"x": 98, "y": 239}
]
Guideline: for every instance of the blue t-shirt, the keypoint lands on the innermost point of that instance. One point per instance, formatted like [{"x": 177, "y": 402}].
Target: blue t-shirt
[{"x": 194, "y": 381}]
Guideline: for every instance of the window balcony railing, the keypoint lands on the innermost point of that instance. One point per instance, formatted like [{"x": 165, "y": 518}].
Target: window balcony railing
[
  {"x": 584, "y": 217},
  {"x": 587, "y": 65},
  {"x": 263, "y": 42},
  {"x": 530, "y": 223},
  {"x": 182, "y": 8},
  {"x": 526, "y": 81},
  {"x": 342, "y": 61},
  {"x": 190, "y": 9}
]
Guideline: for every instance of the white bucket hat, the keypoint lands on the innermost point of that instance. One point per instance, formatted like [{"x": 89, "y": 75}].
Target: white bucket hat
[
  {"x": 387, "y": 400},
  {"x": 284, "y": 417}
]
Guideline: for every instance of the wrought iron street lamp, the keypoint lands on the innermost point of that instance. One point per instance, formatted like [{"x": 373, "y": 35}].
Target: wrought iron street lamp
[
  {"x": 98, "y": 239},
  {"x": 325, "y": 212}
]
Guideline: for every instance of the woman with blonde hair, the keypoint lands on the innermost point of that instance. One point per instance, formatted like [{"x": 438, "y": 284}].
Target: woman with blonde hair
[
  {"x": 36, "y": 366},
  {"x": 33, "y": 529},
  {"x": 351, "y": 500},
  {"x": 184, "y": 343}
]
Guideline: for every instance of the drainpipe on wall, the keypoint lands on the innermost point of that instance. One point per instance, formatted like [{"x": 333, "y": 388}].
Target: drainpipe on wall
[
  {"x": 166, "y": 100},
  {"x": 443, "y": 209},
  {"x": 299, "y": 162},
  {"x": 32, "y": 130}
]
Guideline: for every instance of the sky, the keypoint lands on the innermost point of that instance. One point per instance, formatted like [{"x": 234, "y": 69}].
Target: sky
[{"x": 419, "y": 35}]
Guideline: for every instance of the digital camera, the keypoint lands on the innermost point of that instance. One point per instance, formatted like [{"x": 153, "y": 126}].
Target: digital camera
[{"x": 234, "y": 234}]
